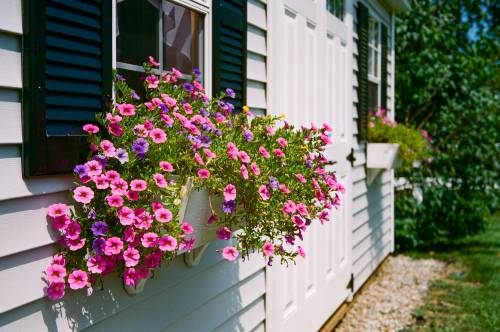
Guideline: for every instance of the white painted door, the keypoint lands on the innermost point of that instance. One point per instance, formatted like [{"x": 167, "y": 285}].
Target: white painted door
[{"x": 310, "y": 70}]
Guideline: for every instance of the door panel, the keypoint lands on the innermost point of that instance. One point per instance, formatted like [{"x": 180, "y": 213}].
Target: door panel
[{"x": 310, "y": 69}]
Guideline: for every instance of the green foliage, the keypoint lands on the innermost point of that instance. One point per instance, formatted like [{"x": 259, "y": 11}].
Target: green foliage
[
  {"x": 413, "y": 147},
  {"x": 447, "y": 83},
  {"x": 468, "y": 299}
]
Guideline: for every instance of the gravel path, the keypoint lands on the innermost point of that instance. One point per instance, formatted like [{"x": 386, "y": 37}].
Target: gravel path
[{"x": 398, "y": 289}]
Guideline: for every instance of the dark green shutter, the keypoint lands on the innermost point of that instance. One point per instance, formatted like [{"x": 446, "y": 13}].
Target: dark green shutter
[
  {"x": 383, "y": 72},
  {"x": 362, "y": 16},
  {"x": 230, "y": 48},
  {"x": 66, "y": 77}
]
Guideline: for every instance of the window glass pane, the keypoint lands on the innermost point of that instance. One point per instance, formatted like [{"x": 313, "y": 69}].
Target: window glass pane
[
  {"x": 136, "y": 31},
  {"x": 370, "y": 60},
  {"x": 336, "y": 7},
  {"x": 135, "y": 80},
  {"x": 372, "y": 96},
  {"x": 375, "y": 63},
  {"x": 182, "y": 38}
]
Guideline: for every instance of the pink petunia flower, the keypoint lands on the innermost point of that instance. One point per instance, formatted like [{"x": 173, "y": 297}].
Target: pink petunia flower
[
  {"x": 114, "y": 200},
  {"x": 75, "y": 245},
  {"x": 255, "y": 169},
  {"x": 301, "y": 251},
  {"x": 131, "y": 257},
  {"x": 115, "y": 129},
  {"x": 138, "y": 185},
  {"x": 112, "y": 175},
  {"x": 152, "y": 61},
  {"x": 55, "y": 291},
  {"x": 73, "y": 230},
  {"x": 282, "y": 142},
  {"x": 58, "y": 259},
  {"x": 61, "y": 222},
  {"x": 230, "y": 253},
  {"x": 166, "y": 166},
  {"x": 268, "y": 249},
  {"x": 108, "y": 148},
  {"x": 229, "y": 193},
  {"x": 55, "y": 273},
  {"x": 101, "y": 182},
  {"x": 149, "y": 240},
  {"x": 187, "y": 228},
  {"x": 263, "y": 152},
  {"x": 204, "y": 173},
  {"x": 232, "y": 150},
  {"x": 209, "y": 153},
  {"x": 57, "y": 210},
  {"x": 244, "y": 172},
  {"x": 198, "y": 159},
  {"x": 130, "y": 277},
  {"x": 244, "y": 157},
  {"x": 301, "y": 178},
  {"x": 113, "y": 118},
  {"x": 302, "y": 209},
  {"x": 78, "y": 279},
  {"x": 167, "y": 243},
  {"x": 126, "y": 109},
  {"x": 126, "y": 216},
  {"x": 213, "y": 218},
  {"x": 160, "y": 180},
  {"x": 83, "y": 194},
  {"x": 284, "y": 189},
  {"x": 264, "y": 192},
  {"x": 158, "y": 135},
  {"x": 152, "y": 81},
  {"x": 96, "y": 264},
  {"x": 279, "y": 153},
  {"x": 325, "y": 139},
  {"x": 169, "y": 101},
  {"x": 132, "y": 195},
  {"x": 163, "y": 215},
  {"x": 94, "y": 168},
  {"x": 289, "y": 207},
  {"x": 119, "y": 187},
  {"x": 91, "y": 129},
  {"x": 113, "y": 246}
]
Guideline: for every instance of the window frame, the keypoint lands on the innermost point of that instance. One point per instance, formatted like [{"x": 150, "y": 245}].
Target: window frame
[
  {"x": 200, "y": 6},
  {"x": 375, "y": 79}
]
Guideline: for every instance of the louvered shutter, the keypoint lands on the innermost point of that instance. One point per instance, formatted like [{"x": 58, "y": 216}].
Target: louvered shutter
[
  {"x": 362, "y": 25},
  {"x": 383, "y": 72},
  {"x": 67, "y": 79},
  {"x": 229, "y": 48}
]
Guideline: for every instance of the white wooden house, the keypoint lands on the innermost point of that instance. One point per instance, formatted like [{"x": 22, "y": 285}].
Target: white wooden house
[{"x": 312, "y": 60}]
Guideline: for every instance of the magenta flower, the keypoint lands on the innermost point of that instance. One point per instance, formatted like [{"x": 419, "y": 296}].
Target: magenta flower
[
  {"x": 213, "y": 218},
  {"x": 327, "y": 127},
  {"x": 83, "y": 194},
  {"x": 113, "y": 246},
  {"x": 112, "y": 175},
  {"x": 209, "y": 154},
  {"x": 108, "y": 148},
  {"x": 114, "y": 200},
  {"x": 77, "y": 279},
  {"x": 57, "y": 210},
  {"x": 232, "y": 150},
  {"x": 244, "y": 172},
  {"x": 119, "y": 187},
  {"x": 131, "y": 257},
  {"x": 187, "y": 228},
  {"x": 152, "y": 81},
  {"x": 289, "y": 207},
  {"x": 91, "y": 129},
  {"x": 130, "y": 277},
  {"x": 255, "y": 169},
  {"x": 279, "y": 153},
  {"x": 204, "y": 173},
  {"x": 282, "y": 142},
  {"x": 301, "y": 178},
  {"x": 302, "y": 209},
  {"x": 223, "y": 233},
  {"x": 160, "y": 180},
  {"x": 163, "y": 215},
  {"x": 94, "y": 168},
  {"x": 115, "y": 129},
  {"x": 301, "y": 252},
  {"x": 284, "y": 188},
  {"x": 244, "y": 157},
  {"x": 167, "y": 243},
  {"x": 126, "y": 109},
  {"x": 230, "y": 253},
  {"x": 230, "y": 192},
  {"x": 166, "y": 166},
  {"x": 198, "y": 159},
  {"x": 61, "y": 222},
  {"x": 149, "y": 240},
  {"x": 138, "y": 185},
  {"x": 126, "y": 216},
  {"x": 264, "y": 192},
  {"x": 55, "y": 273},
  {"x": 153, "y": 62},
  {"x": 55, "y": 291},
  {"x": 101, "y": 182},
  {"x": 75, "y": 245},
  {"x": 73, "y": 230},
  {"x": 96, "y": 264},
  {"x": 158, "y": 135},
  {"x": 263, "y": 152},
  {"x": 113, "y": 118},
  {"x": 268, "y": 249}
]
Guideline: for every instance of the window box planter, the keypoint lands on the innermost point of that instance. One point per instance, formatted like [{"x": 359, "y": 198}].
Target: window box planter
[{"x": 380, "y": 157}]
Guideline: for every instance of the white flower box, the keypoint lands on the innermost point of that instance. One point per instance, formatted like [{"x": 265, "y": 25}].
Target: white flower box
[{"x": 382, "y": 155}]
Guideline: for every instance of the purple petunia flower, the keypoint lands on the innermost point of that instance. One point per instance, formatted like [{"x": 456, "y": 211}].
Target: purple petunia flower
[
  {"x": 204, "y": 112},
  {"x": 230, "y": 93},
  {"x": 98, "y": 244},
  {"x": 119, "y": 77},
  {"x": 247, "y": 135},
  {"x": 196, "y": 72},
  {"x": 188, "y": 87},
  {"x": 273, "y": 183},
  {"x": 309, "y": 163},
  {"x": 164, "y": 108},
  {"x": 81, "y": 170},
  {"x": 228, "y": 207},
  {"x": 101, "y": 159},
  {"x": 205, "y": 141},
  {"x": 230, "y": 108},
  {"x": 134, "y": 95},
  {"x": 99, "y": 228},
  {"x": 121, "y": 155},
  {"x": 140, "y": 147},
  {"x": 218, "y": 132},
  {"x": 92, "y": 214}
]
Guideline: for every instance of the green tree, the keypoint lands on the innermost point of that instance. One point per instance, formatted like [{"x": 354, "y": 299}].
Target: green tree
[{"x": 447, "y": 83}]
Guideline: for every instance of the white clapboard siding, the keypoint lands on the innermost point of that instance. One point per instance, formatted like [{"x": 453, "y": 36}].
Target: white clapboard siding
[
  {"x": 10, "y": 68},
  {"x": 10, "y": 124},
  {"x": 10, "y": 16},
  {"x": 13, "y": 184},
  {"x": 179, "y": 298}
]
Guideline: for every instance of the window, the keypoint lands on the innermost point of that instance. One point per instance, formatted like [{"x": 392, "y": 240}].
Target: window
[
  {"x": 336, "y": 7},
  {"x": 172, "y": 33},
  {"x": 373, "y": 63}
]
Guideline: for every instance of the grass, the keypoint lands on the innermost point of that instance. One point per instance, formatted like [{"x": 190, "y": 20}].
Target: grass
[{"x": 468, "y": 298}]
